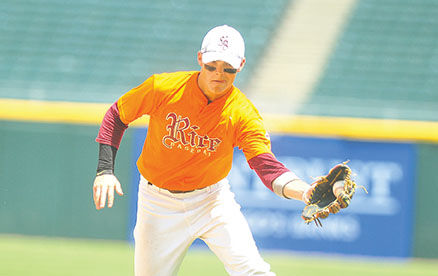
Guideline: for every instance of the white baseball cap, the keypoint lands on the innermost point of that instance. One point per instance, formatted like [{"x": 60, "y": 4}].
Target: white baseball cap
[{"x": 223, "y": 43}]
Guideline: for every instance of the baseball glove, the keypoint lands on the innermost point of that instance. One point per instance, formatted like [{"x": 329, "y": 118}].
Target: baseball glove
[{"x": 322, "y": 201}]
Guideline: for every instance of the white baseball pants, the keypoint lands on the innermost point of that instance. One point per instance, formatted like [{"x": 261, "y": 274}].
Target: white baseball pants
[{"x": 168, "y": 223}]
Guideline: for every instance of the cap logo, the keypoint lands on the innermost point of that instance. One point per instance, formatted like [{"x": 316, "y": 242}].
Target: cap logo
[{"x": 223, "y": 42}]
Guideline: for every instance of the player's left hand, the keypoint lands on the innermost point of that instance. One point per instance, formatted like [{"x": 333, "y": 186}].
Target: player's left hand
[
  {"x": 333, "y": 209},
  {"x": 329, "y": 194},
  {"x": 104, "y": 186}
]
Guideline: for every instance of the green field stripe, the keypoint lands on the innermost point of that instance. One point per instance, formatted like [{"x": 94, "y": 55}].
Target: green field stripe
[
  {"x": 40, "y": 256},
  {"x": 343, "y": 127}
]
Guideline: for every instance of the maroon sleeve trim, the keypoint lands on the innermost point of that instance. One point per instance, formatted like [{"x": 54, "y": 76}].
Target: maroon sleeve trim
[
  {"x": 267, "y": 167},
  {"x": 112, "y": 128}
]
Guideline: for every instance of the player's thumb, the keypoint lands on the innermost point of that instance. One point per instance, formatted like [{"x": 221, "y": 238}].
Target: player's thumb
[{"x": 118, "y": 187}]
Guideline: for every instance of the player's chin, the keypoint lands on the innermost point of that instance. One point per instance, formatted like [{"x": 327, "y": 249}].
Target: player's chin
[
  {"x": 218, "y": 89},
  {"x": 221, "y": 86}
]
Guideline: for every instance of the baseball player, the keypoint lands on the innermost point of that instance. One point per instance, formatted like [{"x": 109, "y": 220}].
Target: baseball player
[{"x": 196, "y": 120}]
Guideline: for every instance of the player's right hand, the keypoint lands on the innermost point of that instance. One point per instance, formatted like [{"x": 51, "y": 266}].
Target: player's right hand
[{"x": 104, "y": 186}]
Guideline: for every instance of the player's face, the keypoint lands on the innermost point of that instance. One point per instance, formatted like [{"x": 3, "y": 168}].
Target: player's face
[
  {"x": 216, "y": 78},
  {"x": 219, "y": 76}
]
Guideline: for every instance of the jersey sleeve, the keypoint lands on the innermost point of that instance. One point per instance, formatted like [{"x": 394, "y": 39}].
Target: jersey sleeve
[
  {"x": 111, "y": 130},
  {"x": 267, "y": 167},
  {"x": 252, "y": 136},
  {"x": 138, "y": 101}
]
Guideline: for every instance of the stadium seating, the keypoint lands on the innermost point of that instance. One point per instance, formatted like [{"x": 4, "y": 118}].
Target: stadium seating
[
  {"x": 94, "y": 50},
  {"x": 385, "y": 64}
]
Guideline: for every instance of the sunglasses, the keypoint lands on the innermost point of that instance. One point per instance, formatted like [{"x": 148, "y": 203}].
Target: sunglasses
[{"x": 226, "y": 70}]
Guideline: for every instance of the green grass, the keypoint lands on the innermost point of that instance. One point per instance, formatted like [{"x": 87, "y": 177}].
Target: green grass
[{"x": 36, "y": 256}]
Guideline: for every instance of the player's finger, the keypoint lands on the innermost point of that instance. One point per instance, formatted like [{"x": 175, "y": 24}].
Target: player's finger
[
  {"x": 338, "y": 187},
  {"x": 110, "y": 196},
  {"x": 119, "y": 188},
  {"x": 96, "y": 195},
  {"x": 102, "y": 199}
]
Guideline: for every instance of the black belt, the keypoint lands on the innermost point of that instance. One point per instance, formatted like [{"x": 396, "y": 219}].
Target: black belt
[{"x": 172, "y": 191}]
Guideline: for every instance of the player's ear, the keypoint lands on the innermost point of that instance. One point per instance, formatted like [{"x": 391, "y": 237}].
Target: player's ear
[
  {"x": 241, "y": 65},
  {"x": 200, "y": 58}
]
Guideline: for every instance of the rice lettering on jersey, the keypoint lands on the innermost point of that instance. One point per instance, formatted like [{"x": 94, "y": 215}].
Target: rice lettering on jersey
[
  {"x": 177, "y": 133},
  {"x": 191, "y": 141}
]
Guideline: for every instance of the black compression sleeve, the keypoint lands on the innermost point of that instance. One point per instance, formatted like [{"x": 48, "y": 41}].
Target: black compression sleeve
[{"x": 107, "y": 157}]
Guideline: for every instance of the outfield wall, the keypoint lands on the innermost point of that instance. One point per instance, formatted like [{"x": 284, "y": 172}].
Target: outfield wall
[
  {"x": 47, "y": 170},
  {"x": 46, "y": 175}
]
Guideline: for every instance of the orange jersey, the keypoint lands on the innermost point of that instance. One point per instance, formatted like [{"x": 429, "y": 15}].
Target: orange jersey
[{"x": 189, "y": 143}]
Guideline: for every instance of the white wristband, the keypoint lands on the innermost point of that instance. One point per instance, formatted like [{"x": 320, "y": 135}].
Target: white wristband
[{"x": 281, "y": 181}]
